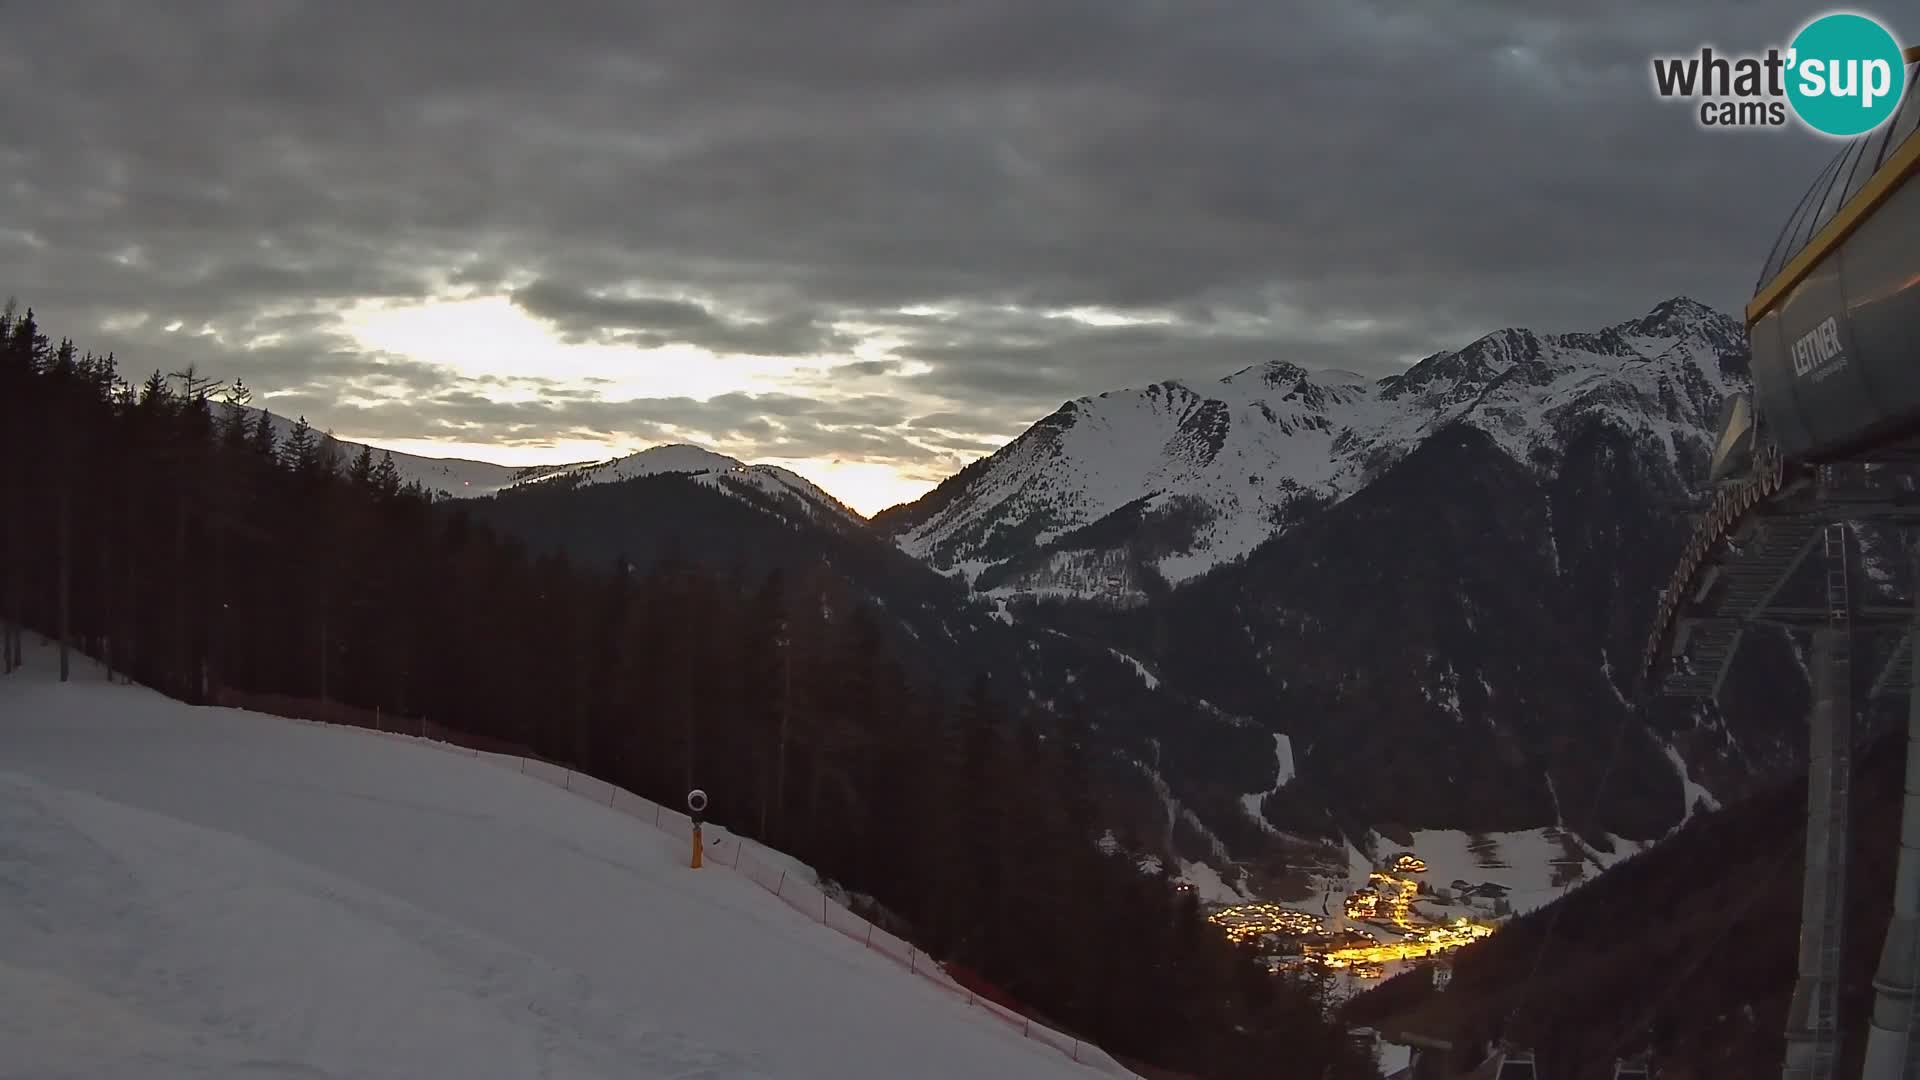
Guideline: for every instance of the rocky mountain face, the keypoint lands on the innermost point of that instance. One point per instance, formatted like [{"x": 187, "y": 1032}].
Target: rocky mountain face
[
  {"x": 1160, "y": 485},
  {"x": 1433, "y": 584}
]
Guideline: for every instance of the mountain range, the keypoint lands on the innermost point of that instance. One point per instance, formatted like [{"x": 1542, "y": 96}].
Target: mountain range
[
  {"x": 1307, "y": 612},
  {"x": 460, "y": 478},
  {"x": 1163, "y": 484}
]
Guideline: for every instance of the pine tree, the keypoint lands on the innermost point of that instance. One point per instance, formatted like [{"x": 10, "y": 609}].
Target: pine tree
[
  {"x": 155, "y": 396},
  {"x": 235, "y": 430},
  {"x": 360, "y": 474},
  {"x": 300, "y": 455},
  {"x": 263, "y": 441},
  {"x": 386, "y": 476},
  {"x": 326, "y": 457}
]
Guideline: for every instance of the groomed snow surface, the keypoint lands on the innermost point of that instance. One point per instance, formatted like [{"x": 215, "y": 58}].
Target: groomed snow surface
[{"x": 189, "y": 892}]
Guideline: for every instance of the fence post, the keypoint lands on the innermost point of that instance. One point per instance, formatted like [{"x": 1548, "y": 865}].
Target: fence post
[
  {"x": 523, "y": 766},
  {"x": 567, "y": 784},
  {"x": 913, "y": 960},
  {"x": 823, "y": 908},
  {"x": 782, "y": 885},
  {"x": 656, "y": 815},
  {"x": 1076, "y": 1050},
  {"x": 869, "y": 935}
]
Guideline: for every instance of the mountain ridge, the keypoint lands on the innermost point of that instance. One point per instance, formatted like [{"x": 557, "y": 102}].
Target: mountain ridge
[
  {"x": 464, "y": 478},
  {"x": 1228, "y": 464}
]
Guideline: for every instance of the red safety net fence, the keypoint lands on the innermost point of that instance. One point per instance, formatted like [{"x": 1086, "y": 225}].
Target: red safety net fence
[{"x": 784, "y": 877}]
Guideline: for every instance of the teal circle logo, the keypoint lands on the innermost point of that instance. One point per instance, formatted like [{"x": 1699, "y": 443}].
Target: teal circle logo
[{"x": 1845, "y": 74}]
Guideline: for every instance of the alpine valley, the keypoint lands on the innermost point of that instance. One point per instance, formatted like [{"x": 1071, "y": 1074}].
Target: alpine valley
[{"x": 1313, "y": 617}]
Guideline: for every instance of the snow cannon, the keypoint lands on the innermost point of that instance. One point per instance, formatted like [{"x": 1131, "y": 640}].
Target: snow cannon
[{"x": 696, "y": 805}]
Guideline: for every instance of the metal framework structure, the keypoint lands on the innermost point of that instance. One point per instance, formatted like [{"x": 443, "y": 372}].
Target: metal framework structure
[
  {"x": 1741, "y": 572},
  {"x": 1748, "y": 566}
]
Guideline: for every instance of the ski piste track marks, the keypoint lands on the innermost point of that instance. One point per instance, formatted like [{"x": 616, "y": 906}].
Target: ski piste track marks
[
  {"x": 1729, "y": 510},
  {"x": 824, "y": 909}
]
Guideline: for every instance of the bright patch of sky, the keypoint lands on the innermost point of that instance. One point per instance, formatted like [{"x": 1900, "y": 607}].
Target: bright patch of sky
[
  {"x": 490, "y": 338},
  {"x": 1095, "y": 316}
]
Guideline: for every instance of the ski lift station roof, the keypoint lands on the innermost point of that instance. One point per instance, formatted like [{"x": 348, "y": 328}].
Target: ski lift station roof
[{"x": 1835, "y": 317}]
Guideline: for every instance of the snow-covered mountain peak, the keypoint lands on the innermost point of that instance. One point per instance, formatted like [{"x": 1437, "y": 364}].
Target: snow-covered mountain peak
[
  {"x": 1269, "y": 375},
  {"x": 653, "y": 461},
  {"x": 1196, "y": 473},
  {"x": 715, "y": 470},
  {"x": 457, "y": 478},
  {"x": 1679, "y": 317}
]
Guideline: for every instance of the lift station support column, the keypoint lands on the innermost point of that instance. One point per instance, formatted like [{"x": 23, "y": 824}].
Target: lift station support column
[
  {"x": 1812, "y": 1018},
  {"x": 1892, "y": 1052}
]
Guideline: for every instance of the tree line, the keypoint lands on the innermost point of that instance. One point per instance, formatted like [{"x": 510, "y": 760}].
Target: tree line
[{"x": 180, "y": 539}]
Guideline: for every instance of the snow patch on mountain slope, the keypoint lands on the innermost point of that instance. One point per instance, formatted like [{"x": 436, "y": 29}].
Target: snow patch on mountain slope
[
  {"x": 1216, "y": 711},
  {"x": 1283, "y": 761},
  {"x": 1178, "y": 814},
  {"x": 1695, "y": 794},
  {"x": 1283, "y": 773},
  {"x": 1139, "y": 669},
  {"x": 1523, "y": 862},
  {"x": 1606, "y": 668},
  {"x": 1209, "y": 886}
]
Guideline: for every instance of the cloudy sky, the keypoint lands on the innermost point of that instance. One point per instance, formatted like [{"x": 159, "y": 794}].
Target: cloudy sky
[{"x": 868, "y": 240}]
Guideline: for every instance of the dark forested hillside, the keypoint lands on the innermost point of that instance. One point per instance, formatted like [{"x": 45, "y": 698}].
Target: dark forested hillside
[
  {"x": 1142, "y": 734},
  {"x": 192, "y": 553},
  {"x": 1448, "y": 646},
  {"x": 673, "y": 517}
]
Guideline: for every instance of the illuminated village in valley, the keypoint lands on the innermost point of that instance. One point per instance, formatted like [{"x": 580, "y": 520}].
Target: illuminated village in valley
[{"x": 1392, "y": 919}]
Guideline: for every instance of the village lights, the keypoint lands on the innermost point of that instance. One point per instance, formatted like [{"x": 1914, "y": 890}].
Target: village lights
[{"x": 1387, "y": 898}]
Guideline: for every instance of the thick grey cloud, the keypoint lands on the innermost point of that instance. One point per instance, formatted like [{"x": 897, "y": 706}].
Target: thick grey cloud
[
  {"x": 653, "y": 321},
  {"x": 1344, "y": 184}
]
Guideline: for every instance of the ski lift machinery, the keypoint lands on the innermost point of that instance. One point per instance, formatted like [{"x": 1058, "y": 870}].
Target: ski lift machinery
[{"x": 1834, "y": 328}]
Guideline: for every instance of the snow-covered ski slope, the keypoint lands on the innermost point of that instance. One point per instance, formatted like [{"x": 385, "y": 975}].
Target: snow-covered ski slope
[{"x": 197, "y": 892}]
